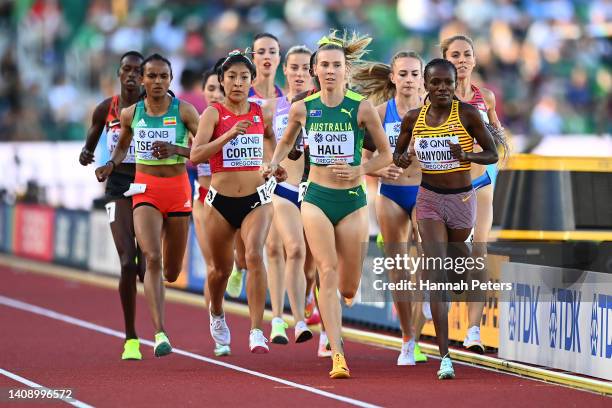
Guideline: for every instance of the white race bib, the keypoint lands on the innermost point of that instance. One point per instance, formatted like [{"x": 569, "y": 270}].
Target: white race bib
[
  {"x": 210, "y": 196},
  {"x": 135, "y": 188},
  {"x": 266, "y": 190},
  {"x": 110, "y": 210},
  {"x": 329, "y": 147},
  {"x": 434, "y": 152},
  {"x": 112, "y": 138},
  {"x": 392, "y": 130},
  {"x": 145, "y": 137},
  {"x": 243, "y": 151},
  {"x": 302, "y": 191}
]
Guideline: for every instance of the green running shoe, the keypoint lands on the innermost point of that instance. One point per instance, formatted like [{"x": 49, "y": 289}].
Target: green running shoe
[
  {"x": 131, "y": 350},
  {"x": 234, "y": 283},
  {"x": 380, "y": 242},
  {"x": 278, "y": 334},
  {"x": 162, "y": 345},
  {"x": 419, "y": 357}
]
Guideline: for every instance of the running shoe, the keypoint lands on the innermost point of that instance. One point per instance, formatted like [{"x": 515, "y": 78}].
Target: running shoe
[
  {"x": 324, "y": 349},
  {"x": 222, "y": 350},
  {"x": 340, "y": 368},
  {"x": 315, "y": 317},
  {"x": 278, "y": 334},
  {"x": 472, "y": 340},
  {"x": 219, "y": 330},
  {"x": 302, "y": 332},
  {"x": 446, "y": 371},
  {"x": 131, "y": 350},
  {"x": 406, "y": 356},
  {"x": 162, "y": 345},
  {"x": 419, "y": 357},
  {"x": 380, "y": 242},
  {"x": 234, "y": 283},
  {"x": 257, "y": 342}
]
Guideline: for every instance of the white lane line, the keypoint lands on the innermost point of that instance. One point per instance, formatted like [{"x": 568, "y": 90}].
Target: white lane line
[
  {"x": 32, "y": 384},
  {"x": 17, "y": 304}
]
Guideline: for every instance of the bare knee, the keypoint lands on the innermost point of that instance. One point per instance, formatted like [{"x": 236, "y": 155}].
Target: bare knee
[
  {"x": 274, "y": 250},
  {"x": 128, "y": 263},
  {"x": 172, "y": 274},
  {"x": 254, "y": 259},
  {"x": 348, "y": 290},
  {"x": 295, "y": 252},
  {"x": 327, "y": 276},
  {"x": 154, "y": 260}
]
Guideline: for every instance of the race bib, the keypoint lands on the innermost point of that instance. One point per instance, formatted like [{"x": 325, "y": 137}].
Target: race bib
[
  {"x": 135, "y": 188},
  {"x": 210, "y": 196},
  {"x": 330, "y": 147},
  {"x": 112, "y": 139},
  {"x": 243, "y": 151},
  {"x": 110, "y": 211},
  {"x": 145, "y": 137},
  {"x": 280, "y": 124},
  {"x": 302, "y": 191},
  {"x": 434, "y": 152},
  {"x": 392, "y": 130},
  {"x": 266, "y": 190}
]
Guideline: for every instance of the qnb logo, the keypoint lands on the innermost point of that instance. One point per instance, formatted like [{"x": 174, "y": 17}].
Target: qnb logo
[
  {"x": 397, "y": 127},
  {"x": 423, "y": 144},
  {"x": 234, "y": 142},
  {"x": 601, "y": 341},
  {"x": 318, "y": 137},
  {"x": 523, "y": 313},
  {"x": 142, "y": 133},
  {"x": 563, "y": 326}
]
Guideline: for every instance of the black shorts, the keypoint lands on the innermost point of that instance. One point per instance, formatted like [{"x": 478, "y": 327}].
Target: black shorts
[{"x": 117, "y": 184}]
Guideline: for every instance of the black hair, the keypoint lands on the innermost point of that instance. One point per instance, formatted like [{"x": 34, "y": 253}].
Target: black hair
[
  {"x": 131, "y": 54},
  {"x": 156, "y": 57},
  {"x": 135, "y": 54},
  {"x": 264, "y": 35},
  {"x": 211, "y": 71},
  {"x": 439, "y": 62},
  {"x": 235, "y": 57},
  {"x": 189, "y": 78}
]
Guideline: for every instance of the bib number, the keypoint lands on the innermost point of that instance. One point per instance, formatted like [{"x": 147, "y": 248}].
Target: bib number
[
  {"x": 302, "y": 191},
  {"x": 266, "y": 190},
  {"x": 210, "y": 197},
  {"x": 110, "y": 211}
]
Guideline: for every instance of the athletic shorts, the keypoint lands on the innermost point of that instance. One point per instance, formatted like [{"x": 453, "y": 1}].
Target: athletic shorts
[
  {"x": 171, "y": 196},
  {"x": 404, "y": 196},
  {"x": 236, "y": 209},
  {"x": 455, "y": 207},
  {"x": 336, "y": 203},
  {"x": 117, "y": 184},
  {"x": 288, "y": 192}
]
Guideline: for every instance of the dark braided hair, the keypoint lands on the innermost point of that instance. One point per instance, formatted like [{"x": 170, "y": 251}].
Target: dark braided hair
[
  {"x": 436, "y": 62},
  {"x": 235, "y": 57}
]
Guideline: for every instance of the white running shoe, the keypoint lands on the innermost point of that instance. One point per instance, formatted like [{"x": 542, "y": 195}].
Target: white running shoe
[
  {"x": 302, "y": 332},
  {"x": 406, "y": 356},
  {"x": 219, "y": 330},
  {"x": 472, "y": 340},
  {"x": 322, "y": 350},
  {"x": 257, "y": 342}
]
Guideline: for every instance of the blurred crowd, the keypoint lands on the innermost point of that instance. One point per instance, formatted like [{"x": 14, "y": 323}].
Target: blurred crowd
[{"x": 547, "y": 61}]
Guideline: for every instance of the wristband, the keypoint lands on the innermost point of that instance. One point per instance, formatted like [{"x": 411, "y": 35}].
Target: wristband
[{"x": 111, "y": 162}]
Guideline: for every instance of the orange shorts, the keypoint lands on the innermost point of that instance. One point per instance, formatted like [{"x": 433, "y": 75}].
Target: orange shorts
[{"x": 171, "y": 196}]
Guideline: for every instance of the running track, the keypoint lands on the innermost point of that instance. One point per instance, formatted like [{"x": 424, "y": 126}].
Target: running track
[{"x": 65, "y": 334}]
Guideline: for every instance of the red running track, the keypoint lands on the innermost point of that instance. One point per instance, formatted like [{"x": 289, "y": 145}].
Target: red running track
[{"x": 57, "y": 354}]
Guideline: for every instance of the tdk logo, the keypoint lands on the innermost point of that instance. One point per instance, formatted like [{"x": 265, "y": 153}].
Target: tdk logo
[
  {"x": 600, "y": 335},
  {"x": 563, "y": 329},
  {"x": 523, "y": 314}
]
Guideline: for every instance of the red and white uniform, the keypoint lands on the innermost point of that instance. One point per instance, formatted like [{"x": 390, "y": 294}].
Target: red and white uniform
[{"x": 244, "y": 152}]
